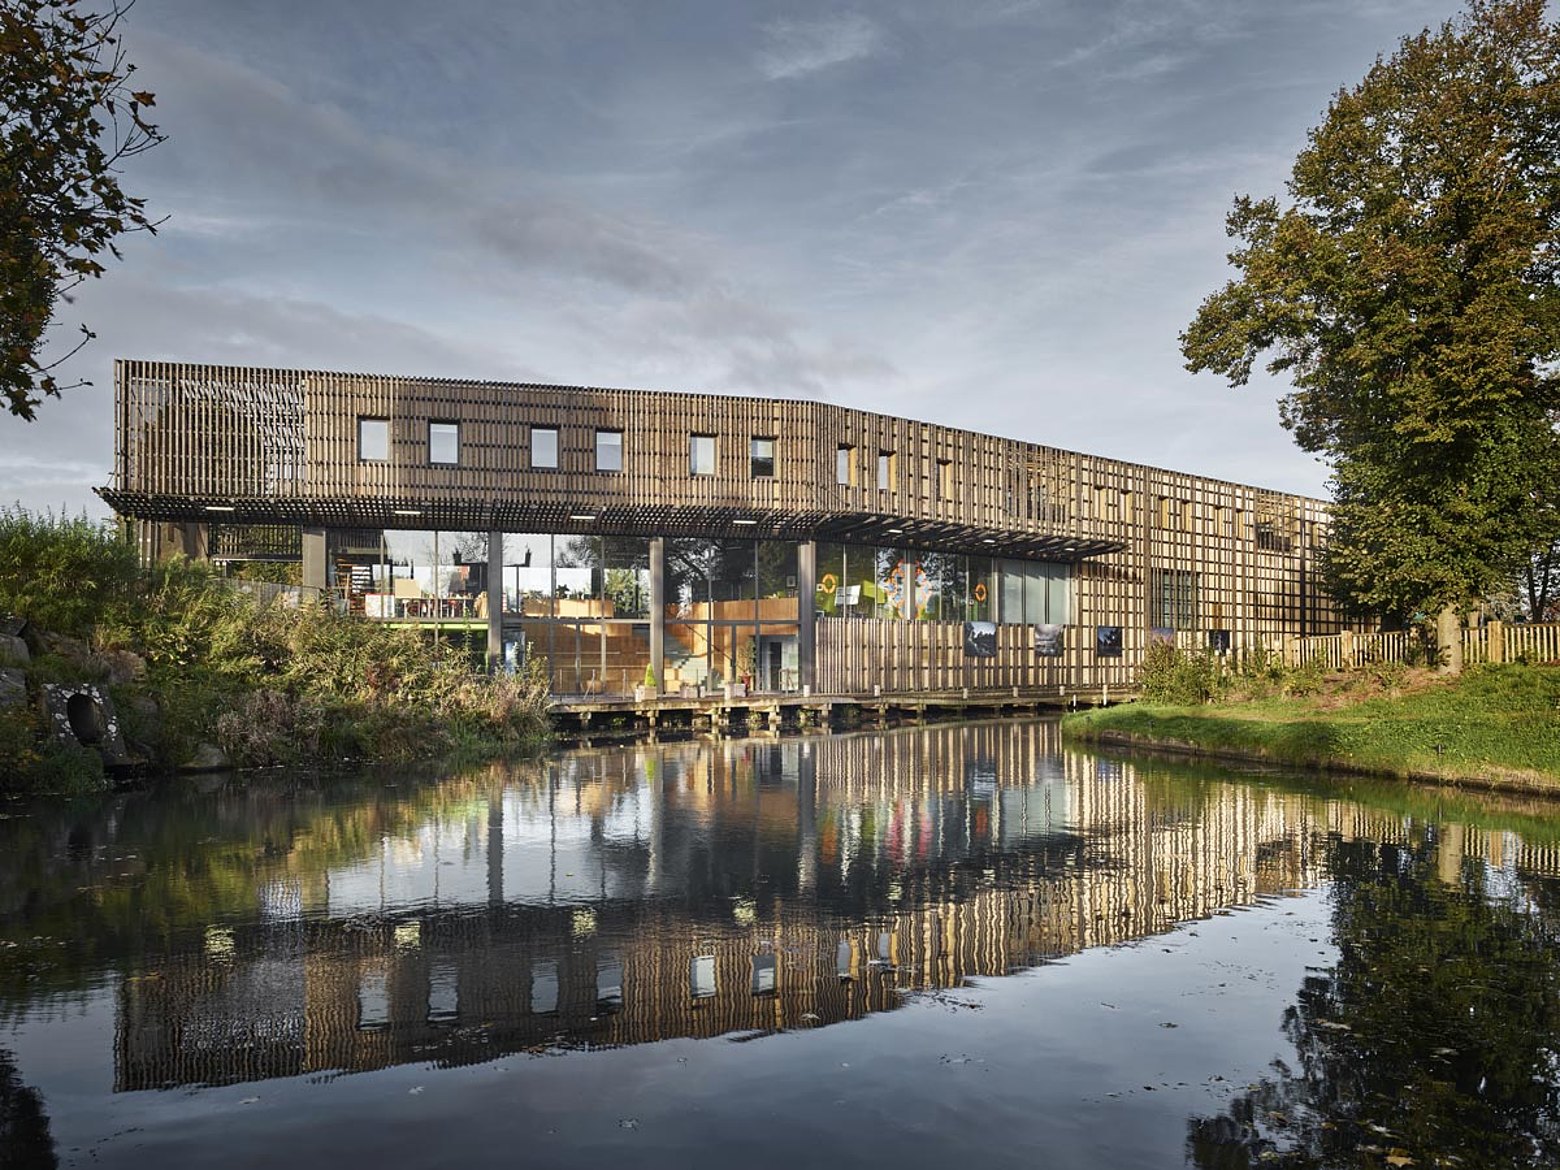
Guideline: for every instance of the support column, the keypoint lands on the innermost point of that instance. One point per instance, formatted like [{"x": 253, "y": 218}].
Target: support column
[
  {"x": 495, "y": 601},
  {"x": 807, "y": 613},
  {"x": 314, "y": 570},
  {"x": 658, "y": 612}
]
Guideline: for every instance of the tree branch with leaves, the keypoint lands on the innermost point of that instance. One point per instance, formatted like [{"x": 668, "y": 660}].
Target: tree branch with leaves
[
  {"x": 70, "y": 117},
  {"x": 1408, "y": 291}
]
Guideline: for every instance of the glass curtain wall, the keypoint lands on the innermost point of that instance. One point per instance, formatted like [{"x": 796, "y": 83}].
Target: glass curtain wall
[
  {"x": 583, "y": 603},
  {"x": 731, "y": 615},
  {"x": 913, "y": 584}
]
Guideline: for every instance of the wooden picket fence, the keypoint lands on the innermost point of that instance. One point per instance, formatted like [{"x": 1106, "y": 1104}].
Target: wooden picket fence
[{"x": 1493, "y": 642}]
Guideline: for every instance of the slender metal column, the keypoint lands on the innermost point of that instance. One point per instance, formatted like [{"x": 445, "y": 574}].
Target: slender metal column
[
  {"x": 807, "y": 613},
  {"x": 658, "y": 611},
  {"x": 495, "y": 601},
  {"x": 314, "y": 571}
]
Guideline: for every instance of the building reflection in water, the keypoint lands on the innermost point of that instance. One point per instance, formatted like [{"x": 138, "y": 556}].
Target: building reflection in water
[{"x": 625, "y": 895}]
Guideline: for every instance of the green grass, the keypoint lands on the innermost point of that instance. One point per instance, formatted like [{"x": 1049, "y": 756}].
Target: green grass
[{"x": 1495, "y": 724}]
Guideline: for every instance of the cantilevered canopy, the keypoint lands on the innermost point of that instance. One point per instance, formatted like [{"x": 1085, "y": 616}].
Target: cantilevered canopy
[{"x": 618, "y": 519}]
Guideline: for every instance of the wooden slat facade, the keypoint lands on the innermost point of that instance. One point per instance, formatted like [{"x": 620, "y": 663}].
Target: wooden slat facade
[{"x": 197, "y": 444}]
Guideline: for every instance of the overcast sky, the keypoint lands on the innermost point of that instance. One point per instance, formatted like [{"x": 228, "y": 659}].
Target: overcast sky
[{"x": 996, "y": 214}]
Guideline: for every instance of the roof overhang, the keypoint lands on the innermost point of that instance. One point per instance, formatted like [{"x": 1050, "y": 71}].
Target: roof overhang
[{"x": 881, "y": 529}]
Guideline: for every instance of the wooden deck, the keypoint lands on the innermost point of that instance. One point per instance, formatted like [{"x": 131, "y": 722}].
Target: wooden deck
[{"x": 776, "y": 709}]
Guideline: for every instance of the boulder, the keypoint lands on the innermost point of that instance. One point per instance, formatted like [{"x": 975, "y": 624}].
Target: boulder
[
  {"x": 13, "y": 686},
  {"x": 71, "y": 649},
  {"x": 13, "y": 648},
  {"x": 144, "y": 717},
  {"x": 207, "y": 757},
  {"x": 83, "y": 713},
  {"x": 120, "y": 666}
]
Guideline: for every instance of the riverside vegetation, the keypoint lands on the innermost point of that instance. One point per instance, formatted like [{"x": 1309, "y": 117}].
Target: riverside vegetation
[
  {"x": 200, "y": 672},
  {"x": 1491, "y": 725}
]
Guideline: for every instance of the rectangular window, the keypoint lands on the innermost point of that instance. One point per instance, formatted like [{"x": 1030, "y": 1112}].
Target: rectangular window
[
  {"x": 444, "y": 443},
  {"x": 1172, "y": 598},
  {"x": 763, "y": 458},
  {"x": 373, "y": 440},
  {"x": 845, "y": 465},
  {"x": 945, "y": 478},
  {"x": 701, "y": 455},
  {"x": 609, "y": 450},
  {"x": 544, "y": 447},
  {"x": 888, "y": 471}
]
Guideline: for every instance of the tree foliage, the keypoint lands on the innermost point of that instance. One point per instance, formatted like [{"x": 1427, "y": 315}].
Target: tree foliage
[
  {"x": 1408, "y": 291},
  {"x": 1538, "y": 586},
  {"x": 1431, "y": 1040},
  {"x": 69, "y": 117}
]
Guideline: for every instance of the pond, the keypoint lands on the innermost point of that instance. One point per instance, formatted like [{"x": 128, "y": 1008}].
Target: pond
[{"x": 902, "y": 947}]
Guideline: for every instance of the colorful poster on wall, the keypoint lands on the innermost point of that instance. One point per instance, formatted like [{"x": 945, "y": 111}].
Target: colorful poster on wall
[
  {"x": 1107, "y": 641},
  {"x": 980, "y": 639},
  {"x": 908, "y": 589},
  {"x": 1164, "y": 635},
  {"x": 1219, "y": 641},
  {"x": 1050, "y": 641}
]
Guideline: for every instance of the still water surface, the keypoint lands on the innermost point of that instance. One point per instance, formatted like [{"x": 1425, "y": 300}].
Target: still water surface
[{"x": 910, "y": 947}]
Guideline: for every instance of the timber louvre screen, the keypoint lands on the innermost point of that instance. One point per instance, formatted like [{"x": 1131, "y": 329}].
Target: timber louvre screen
[{"x": 286, "y": 447}]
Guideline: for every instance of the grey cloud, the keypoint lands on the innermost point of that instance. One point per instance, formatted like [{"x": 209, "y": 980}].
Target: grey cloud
[
  {"x": 69, "y": 449},
  {"x": 617, "y": 250},
  {"x": 796, "y": 48},
  {"x": 610, "y": 193}
]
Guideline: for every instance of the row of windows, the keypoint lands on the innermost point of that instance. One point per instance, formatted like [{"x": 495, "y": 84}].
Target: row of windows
[
  {"x": 444, "y": 448},
  {"x": 847, "y": 470}
]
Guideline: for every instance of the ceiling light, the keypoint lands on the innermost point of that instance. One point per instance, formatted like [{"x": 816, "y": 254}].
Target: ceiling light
[
  {"x": 896, "y": 531},
  {"x": 583, "y": 516},
  {"x": 407, "y": 512},
  {"x": 987, "y": 540},
  {"x": 745, "y": 523},
  {"x": 220, "y": 508}
]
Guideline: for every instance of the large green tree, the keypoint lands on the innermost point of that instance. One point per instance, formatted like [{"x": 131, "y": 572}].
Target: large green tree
[
  {"x": 1408, "y": 291},
  {"x": 69, "y": 117}
]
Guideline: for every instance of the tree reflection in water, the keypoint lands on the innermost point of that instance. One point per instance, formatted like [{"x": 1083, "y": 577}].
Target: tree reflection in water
[
  {"x": 25, "y": 1143},
  {"x": 1432, "y": 1041}
]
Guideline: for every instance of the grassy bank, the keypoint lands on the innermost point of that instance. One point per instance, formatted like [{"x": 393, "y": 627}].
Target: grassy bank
[
  {"x": 200, "y": 673},
  {"x": 1494, "y": 725}
]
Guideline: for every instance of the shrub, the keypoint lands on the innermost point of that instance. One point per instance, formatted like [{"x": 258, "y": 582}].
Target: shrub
[
  {"x": 1383, "y": 674},
  {"x": 1181, "y": 678},
  {"x": 1305, "y": 679},
  {"x": 270, "y": 683},
  {"x": 61, "y": 573}
]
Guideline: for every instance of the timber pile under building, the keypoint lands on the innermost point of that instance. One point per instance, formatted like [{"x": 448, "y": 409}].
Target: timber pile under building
[{"x": 688, "y": 542}]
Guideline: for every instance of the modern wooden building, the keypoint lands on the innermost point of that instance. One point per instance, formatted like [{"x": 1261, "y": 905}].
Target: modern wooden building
[{"x": 699, "y": 540}]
